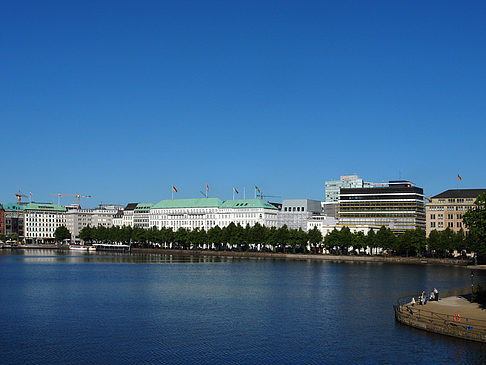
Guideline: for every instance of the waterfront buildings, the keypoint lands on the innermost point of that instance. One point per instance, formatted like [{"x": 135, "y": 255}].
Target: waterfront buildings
[
  {"x": 41, "y": 220},
  {"x": 13, "y": 219},
  {"x": 398, "y": 206},
  {"x": 332, "y": 188},
  {"x": 77, "y": 219},
  {"x": 295, "y": 213},
  {"x": 128, "y": 212},
  {"x": 141, "y": 215},
  {"x": 206, "y": 213},
  {"x": 446, "y": 209}
]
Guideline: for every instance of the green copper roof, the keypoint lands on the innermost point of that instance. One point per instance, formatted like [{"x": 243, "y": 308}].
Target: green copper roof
[
  {"x": 13, "y": 206},
  {"x": 44, "y": 206},
  {"x": 143, "y": 206},
  {"x": 188, "y": 203},
  {"x": 247, "y": 203}
]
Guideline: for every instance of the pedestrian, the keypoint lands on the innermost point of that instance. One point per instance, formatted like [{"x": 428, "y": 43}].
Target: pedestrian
[{"x": 436, "y": 294}]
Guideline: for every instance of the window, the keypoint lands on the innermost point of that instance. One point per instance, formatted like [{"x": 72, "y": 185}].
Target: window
[
  {"x": 451, "y": 225},
  {"x": 432, "y": 216},
  {"x": 459, "y": 216},
  {"x": 432, "y": 224},
  {"x": 459, "y": 224}
]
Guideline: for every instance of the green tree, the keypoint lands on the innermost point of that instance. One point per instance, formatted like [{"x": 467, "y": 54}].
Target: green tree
[
  {"x": 315, "y": 238},
  {"x": 86, "y": 234},
  {"x": 62, "y": 233},
  {"x": 475, "y": 221}
]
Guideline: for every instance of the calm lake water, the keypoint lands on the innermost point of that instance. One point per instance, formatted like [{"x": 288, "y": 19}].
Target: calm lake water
[{"x": 62, "y": 308}]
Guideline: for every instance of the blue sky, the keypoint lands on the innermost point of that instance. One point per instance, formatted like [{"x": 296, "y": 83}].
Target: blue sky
[{"x": 123, "y": 99}]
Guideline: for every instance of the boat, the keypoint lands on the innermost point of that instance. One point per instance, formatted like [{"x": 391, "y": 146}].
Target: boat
[{"x": 82, "y": 248}]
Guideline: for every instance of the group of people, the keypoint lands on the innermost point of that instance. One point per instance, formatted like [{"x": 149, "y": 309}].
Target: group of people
[{"x": 434, "y": 296}]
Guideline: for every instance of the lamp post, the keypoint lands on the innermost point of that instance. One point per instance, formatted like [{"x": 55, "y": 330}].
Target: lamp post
[{"x": 472, "y": 285}]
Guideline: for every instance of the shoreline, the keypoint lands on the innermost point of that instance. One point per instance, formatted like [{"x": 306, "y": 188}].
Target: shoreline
[
  {"x": 313, "y": 257},
  {"x": 281, "y": 256}
]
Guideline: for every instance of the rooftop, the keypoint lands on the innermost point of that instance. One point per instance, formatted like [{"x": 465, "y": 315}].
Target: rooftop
[
  {"x": 188, "y": 203},
  {"x": 460, "y": 193},
  {"x": 44, "y": 206}
]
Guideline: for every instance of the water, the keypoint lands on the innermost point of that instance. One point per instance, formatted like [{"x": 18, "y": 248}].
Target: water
[{"x": 60, "y": 308}]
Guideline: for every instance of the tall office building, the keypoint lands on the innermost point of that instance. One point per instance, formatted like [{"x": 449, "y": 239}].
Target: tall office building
[
  {"x": 398, "y": 206},
  {"x": 332, "y": 188}
]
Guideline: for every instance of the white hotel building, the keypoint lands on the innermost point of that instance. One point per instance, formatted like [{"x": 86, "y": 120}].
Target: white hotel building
[
  {"x": 41, "y": 220},
  {"x": 211, "y": 212}
]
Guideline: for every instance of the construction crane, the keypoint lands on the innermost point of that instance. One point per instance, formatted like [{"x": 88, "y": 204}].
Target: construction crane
[
  {"x": 75, "y": 195},
  {"x": 430, "y": 200},
  {"x": 19, "y": 196}
]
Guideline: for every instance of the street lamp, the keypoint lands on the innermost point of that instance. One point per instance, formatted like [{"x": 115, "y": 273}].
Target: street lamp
[{"x": 472, "y": 285}]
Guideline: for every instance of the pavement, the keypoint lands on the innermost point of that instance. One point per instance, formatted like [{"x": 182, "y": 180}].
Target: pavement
[{"x": 456, "y": 305}]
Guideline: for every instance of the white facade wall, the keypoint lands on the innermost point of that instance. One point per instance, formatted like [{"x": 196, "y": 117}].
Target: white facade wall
[{"x": 41, "y": 224}]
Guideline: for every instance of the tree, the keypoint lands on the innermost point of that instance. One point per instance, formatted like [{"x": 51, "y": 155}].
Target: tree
[
  {"x": 475, "y": 221},
  {"x": 315, "y": 237},
  {"x": 86, "y": 234},
  {"x": 62, "y": 233}
]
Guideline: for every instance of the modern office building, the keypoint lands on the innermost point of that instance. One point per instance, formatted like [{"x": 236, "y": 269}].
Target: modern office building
[
  {"x": 330, "y": 209},
  {"x": 296, "y": 212},
  {"x": 41, "y": 221},
  {"x": 207, "y": 213},
  {"x": 13, "y": 219},
  {"x": 398, "y": 206},
  {"x": 332, "y": 188},
  {"x": 446, "y": 209}
]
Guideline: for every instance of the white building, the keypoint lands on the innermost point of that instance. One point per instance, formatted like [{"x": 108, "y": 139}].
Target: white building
[
  {"x": 128, "y": 214},
  {"x": 295, "y": 213},
  {"x": 41, "y": 221},
  {"x": 77, "y": 219},
  {"x": 211, "y": 212},
  {"x": 141, "y": 215}
]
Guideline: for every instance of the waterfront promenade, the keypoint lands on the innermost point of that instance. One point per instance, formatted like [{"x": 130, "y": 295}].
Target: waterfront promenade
[{"x": 452, "y": 316}]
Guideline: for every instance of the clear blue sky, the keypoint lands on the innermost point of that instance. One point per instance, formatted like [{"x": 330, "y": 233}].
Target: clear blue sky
[{"x": 120, "y": 100}]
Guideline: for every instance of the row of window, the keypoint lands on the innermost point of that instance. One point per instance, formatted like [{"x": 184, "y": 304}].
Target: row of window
[{"x": 449, "y": 216}]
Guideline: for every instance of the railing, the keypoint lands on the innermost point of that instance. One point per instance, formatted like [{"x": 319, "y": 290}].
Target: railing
[{"x": 452, "y": 321}]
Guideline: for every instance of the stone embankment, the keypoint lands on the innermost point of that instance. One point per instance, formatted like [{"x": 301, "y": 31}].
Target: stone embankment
[
  {"x": 452, "y": 316},
  {"x": 316, "y": 257}
]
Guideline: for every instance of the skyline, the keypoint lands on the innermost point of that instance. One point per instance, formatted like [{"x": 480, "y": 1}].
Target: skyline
[{"x": 124, "y": 101}]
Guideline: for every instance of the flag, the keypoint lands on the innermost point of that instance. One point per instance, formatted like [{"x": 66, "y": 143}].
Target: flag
[
  {"x": 173, "y": 188},
  {"x": 207, "y": 187},
  {"x": 256, "y": 188},
  {"x": 459, "y": 177},
  {"x": 235, "y": 191}
]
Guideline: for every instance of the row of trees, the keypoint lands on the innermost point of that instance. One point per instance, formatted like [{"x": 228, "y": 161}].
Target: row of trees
[{"x": 258, "y": 237}]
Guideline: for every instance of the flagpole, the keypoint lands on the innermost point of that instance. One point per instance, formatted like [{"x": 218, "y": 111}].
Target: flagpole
[
  {"x": 244, "y": 193},
  {"x": 233, "y": 193},
  {"x": 172, "y": 190}
]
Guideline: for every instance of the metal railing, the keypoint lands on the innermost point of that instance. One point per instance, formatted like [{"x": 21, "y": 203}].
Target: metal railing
[{"x": 452, "y": 321}]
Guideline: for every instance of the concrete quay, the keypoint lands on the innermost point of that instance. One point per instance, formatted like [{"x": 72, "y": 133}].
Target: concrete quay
[
  {"x": 316, "y": 257},
  {"x": 451, "y": 316}
]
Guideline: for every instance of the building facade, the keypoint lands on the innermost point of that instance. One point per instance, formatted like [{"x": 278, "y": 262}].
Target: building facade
[
  {"x": 206, "y": 213},
  {"x": 446, "y": 209},
  {"x": 295, "y": 213},
  {"x": 141, "y": 215},
  {"x": 41, "y": 221},
  {"x": 128, "y": 214},
  {"x": 332, "y": 188},
  {"x": 398, "y": 206},
  {"x": 14, "y": 219}
]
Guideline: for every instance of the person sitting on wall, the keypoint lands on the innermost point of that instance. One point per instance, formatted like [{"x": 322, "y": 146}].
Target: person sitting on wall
[{"x": 436, "y": 294}]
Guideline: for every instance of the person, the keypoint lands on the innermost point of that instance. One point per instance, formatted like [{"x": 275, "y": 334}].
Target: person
[
  {"x": 432, "y": 296},
  {"x": 436, "y": 294},
  {"x": 413, "y": 301},
  {"x": 422, "y": 298}
]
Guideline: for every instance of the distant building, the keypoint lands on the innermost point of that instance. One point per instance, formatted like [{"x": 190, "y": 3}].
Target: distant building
[
  {"x": 398, "y": 206},
  {"x": 77, "y": 219},
  {"x": 332, "y": 188},
  {"x": 206, "y": 213},
  {"x": 118, "y": 219},
  {"x": 330, "y": 209},
  {"x": 128, "y": 214},
  {"x": 13, "y": 219},
  {"x": 2, "y": 220},
  {"x": 41, "y": 221},
  {"x": 296, "y": 212},
  {"x": 446, "y": 209},
  {"x": 141, "y": 215}
]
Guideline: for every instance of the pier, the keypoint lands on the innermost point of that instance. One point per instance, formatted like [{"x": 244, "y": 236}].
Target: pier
[{"x": 452, "y": 316}]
